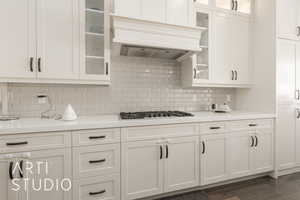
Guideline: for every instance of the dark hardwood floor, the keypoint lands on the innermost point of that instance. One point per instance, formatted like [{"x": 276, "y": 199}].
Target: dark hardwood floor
[{"x": 285, "y": 188}]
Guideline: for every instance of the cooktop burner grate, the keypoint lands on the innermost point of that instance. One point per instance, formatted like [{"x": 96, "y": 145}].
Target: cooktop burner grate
[{"x": 153, "y": 114}]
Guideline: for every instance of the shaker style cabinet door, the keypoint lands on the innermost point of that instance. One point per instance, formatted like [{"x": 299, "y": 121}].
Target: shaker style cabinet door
[
  {"x": 17, "y": 39},
  {"x": 213, "y": 149},
  {"x": 240, "y": 151},
  {"x": 57, "y": 30},
  {"x": 6, "y": 185},
  {"x": 54, "y": 165},
  {"x": 142, "y": 169},
  {"x": 287, "y": 14},
  {"x": 181, "y": 164},
  {"x": 263, "y": 157}
]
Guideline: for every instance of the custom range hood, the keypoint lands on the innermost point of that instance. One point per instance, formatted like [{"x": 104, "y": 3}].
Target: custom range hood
[{"x": 144, "y": 38}]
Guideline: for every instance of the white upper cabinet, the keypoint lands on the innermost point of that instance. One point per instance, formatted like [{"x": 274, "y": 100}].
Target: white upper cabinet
[
  {"x": 177, "y": 12},
  {"x": 230, "y": 49},
  {"x": 288, "y": 19},
  {"x": 239, "y": 6},
  {"x": 56, "y": 29},
  {"x": 18, "y": 50},
  {"x": 95, "y": 40},
  {"x": 154, "y": 10}
]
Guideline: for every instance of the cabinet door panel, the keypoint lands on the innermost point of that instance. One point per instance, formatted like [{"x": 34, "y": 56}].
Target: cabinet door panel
[
  {"x": 55, "y": 165},
  {"x": 130, "y": 8},
  {"x": 17, "y": 38},
  {"x": 57, "y": 35},
  {"x": 298, "y": 135},
  {"x": 182, "y": 164},
  {"x": 263, "y": 160},
  {"x": 240, "y": 47},
  {"x": 286, "y": 137},
  {"x": 154, "y": 10},
  {"x": 178, "y": 12},
  {"x": 298, "y": 72},
  {"x": 6, "y": 185},
  {"x": 286, "y": 71},
  {"x": 142, "y": 172},
  {"x": 240, "y": 154},
  {"x": 286, "y": 18},
  {"x": 222, "y": 43},
  {"x": 213, "y": 159}
]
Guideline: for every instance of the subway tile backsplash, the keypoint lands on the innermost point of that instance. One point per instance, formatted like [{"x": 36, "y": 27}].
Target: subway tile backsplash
[{"x": 138, "y": 84}]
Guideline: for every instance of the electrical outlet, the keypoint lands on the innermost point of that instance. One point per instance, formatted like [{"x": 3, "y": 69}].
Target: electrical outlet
[{"x": 228, "y": 98}]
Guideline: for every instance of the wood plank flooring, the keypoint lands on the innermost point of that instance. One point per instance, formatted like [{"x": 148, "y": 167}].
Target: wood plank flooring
[{"x": 285, "y": 188}]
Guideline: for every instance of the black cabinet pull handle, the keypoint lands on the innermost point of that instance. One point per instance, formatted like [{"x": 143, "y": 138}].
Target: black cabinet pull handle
[
  {"x": 203, "y": 147},
  {"x": 298, "y": 29},
  {"x": 214, "y": 128},
  {"x": 167, "y": 151},
  {"x": 106, "y": 68},
  {"x": 16, "y": 143},
  {"x": 232, "y": 75},
  {"x": 232, "y": 5},
  {"x": 97, "y": 161},
  {"x": 39, "y": 65},
  {"x": 236, "y": 5},
  {"x": 236, "y": 75},
  {"x": 31, "y": 64},
  {"x": 10, "y": 171},
  {"x": 252, "y": 125},
  {"x": 21, "y": 169},
  {"x": 256, "y": 144},
  {"x": 96, "y": 193},
  {"x": 97, "y": 137},
  {"x": 252, "y": 141},
  {"x": 195, "y": 73},
  {"x": 161, "y": 152},
  {"x": 298, "y": 114}
]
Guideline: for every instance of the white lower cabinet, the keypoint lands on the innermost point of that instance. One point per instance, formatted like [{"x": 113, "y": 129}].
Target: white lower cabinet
[
  {"x": 53, "y": 165},
  {"x": 142, "y": 169},
  {"x": 182, "y": 164},
  {"x": 240, "y": 152},
  {"x": 235, "y": 155},
  {"x": 156, "y": 166},
  {"x": 213, "y": 158},
  {"x": 6, "y": 185}
]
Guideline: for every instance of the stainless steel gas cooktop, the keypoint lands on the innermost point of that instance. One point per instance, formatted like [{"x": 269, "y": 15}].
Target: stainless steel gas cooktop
[{"x": 153, "y": 114}]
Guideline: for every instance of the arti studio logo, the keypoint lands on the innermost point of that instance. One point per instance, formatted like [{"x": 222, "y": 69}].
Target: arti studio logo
[{"x": 34, "y": 176}]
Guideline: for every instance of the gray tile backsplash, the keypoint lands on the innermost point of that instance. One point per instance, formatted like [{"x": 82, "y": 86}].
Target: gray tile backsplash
[{"x": 138, "y": 84}]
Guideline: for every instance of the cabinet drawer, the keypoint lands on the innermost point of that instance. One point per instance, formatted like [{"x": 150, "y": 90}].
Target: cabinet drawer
[
  {"x": 34, "y": 141},
  {"x": 158, "y": 132},
  {"x": 98, "y": 136},
  {"x": 251, "y": 124},
  {"x": 100, "y": 188},
  {"x": 212, "y": 128},
  {"x": 96, "y": 160}
]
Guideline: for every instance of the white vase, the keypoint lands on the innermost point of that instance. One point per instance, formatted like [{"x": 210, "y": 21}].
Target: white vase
[{"x": 69, "y": 114}]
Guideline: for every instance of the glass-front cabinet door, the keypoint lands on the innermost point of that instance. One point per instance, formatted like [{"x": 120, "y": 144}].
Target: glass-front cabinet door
[{"x": 95, "y": 40}]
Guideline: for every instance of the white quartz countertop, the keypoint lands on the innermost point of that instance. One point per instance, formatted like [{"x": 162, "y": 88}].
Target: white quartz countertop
[{"x": 30, "y": 125}]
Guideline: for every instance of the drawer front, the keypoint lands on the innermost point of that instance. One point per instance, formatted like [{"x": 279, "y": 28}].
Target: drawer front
[
  {"x": 251, "y": 124},
  {"x": 158, "y": 132},
  {"x": 93, "y": 137},
  {"x": 96, "y": 160},
  {"x": 34, "y": 141},
  {"x": 212, "y": 128},
  {"x": 100, "y": 188}
]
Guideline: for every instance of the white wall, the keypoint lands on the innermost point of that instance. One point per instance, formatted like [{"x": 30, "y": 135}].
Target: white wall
[{"x": 262, "y": 96}]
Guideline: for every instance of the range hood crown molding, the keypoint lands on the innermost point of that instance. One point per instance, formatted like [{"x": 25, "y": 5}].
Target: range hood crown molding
[{"x": 156, "y": 35}]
